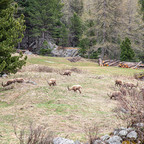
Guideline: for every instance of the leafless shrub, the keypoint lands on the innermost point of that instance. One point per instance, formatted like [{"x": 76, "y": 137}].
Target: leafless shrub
[
  {"x": 37, "y": 68},
  {"x": 92, "y": 133},
  {"x": 38, "y": 135},
  {"x": 133, "y": 105}
]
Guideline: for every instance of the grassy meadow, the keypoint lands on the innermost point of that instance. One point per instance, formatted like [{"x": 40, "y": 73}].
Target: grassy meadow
[{"x": 65, "y": 113}]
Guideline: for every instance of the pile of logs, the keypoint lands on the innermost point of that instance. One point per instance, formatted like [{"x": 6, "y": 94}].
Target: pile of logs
[
  {"x": 111, "y": 62},
  {"x": 134, "y": 65}
]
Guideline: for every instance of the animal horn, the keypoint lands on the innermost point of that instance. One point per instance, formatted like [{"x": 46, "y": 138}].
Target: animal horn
[
  {"x": 68, "y": 88},
  {"x": 108, "y": 95}
]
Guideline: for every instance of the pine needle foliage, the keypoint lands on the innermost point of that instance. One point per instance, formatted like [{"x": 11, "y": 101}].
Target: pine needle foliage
[
  {"x": 127, "y": 53},
  {"x": 11, "y": 32}
]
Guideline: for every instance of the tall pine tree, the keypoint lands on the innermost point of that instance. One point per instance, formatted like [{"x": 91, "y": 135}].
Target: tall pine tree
[
  {"x": 11, "y": 32},
  {"x": 76, "y": 29},
  {"x": 76, "y": 24},
  {"x": 44, "y": 18},
  {"x": 127, "y": 53}
]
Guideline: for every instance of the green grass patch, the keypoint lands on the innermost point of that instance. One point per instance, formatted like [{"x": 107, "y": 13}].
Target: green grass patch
[
  {"x": 3, "y": 104},
  {"x": 58, "y": 108}
]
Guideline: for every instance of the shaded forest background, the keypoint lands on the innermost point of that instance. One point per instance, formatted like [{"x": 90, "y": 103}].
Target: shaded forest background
[{"x": 97, "y": 26}]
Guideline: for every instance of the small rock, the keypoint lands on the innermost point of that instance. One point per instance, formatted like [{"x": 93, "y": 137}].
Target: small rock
[
  {"x": 116, "y": 131},
  {"x": 31, "y": 82},
  {"x": 28, "y": 52},
  {"x": 4, "y": 75},
  {"x": 132, "y": 135},
  {"x": 114, "y": 140},
  {"x": 139, "y": 125},
  {"x": 106, "y": 137},
  {"x": 122, "y": 133},
  {"x": 130, "y": 129},
  {"x": 77, "y": 142},
  {"x": 98, "y": 142},
  {"x": 60, "y": 140}
]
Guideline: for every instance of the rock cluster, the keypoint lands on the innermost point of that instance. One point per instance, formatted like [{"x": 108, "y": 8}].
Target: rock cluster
[
  {"x": 119, "y": 136},
  {"x": 65, "y": 52}
]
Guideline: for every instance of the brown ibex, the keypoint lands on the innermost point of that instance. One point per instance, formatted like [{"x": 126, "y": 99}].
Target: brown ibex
[
  {"x": 118, "y": 83},
  {"x": 52, "y": 81},
  {"x": 75, "y": 88},
  {"x": 115, "y": 95},
  {"x": 130, "y": 85},
  {"x": 67, "y": 72},
  {"x": 19, "y": 80},
  {"x": 8, "y": 82}
]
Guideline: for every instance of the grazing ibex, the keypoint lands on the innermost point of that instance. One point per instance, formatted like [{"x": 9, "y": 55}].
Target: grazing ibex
[
  {"x": 118, "y": 83},
  {"x": 52, "y": 81},
  {"x": 19, "y": 80},
  {"x": 67, "y": 72},
  {"x": 8, "y": 82},
  {"x": 115, "y": 95},
  {"x": 75, "y": 88},
  {"x": 129, "y": 85}
]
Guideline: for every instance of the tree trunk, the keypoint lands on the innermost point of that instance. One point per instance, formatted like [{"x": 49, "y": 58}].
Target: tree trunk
[{"x": 104, "y": 30}]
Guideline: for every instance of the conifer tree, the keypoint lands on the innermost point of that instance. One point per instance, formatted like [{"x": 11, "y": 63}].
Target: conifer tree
[
  {"x": 11, "y": 32},
  {"x": 44, "y": 17},
  {"x": 106, "y": 17},
  {"x": 76, "y": 29},
  {"x": 127, "y": 53}
]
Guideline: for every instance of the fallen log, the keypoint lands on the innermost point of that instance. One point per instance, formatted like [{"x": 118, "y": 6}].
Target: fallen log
[{"x": 138, "y": 64}]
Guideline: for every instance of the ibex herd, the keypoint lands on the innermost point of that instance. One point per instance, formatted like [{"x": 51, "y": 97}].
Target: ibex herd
[
  {"x": 126, "y": 85},
  {"x": 122, "y": 91},
  {"x": 52, "y": 82}
]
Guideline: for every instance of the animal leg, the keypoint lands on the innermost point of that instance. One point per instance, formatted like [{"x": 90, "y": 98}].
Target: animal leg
[{"x": 79, "y": 91}]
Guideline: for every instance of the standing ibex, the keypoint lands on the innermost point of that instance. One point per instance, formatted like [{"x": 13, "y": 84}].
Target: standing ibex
[
  {"x": 129, "y": 85},
  {"x": 118, "y": 83},
  {"x": 8, "y": 82},
  {"x": 75, "y": 88},
  {"x": 19, "y": 80},
  {"x": 52, "y": 81},
  {"x": 115, "y": 95},
  {"x": 67, "y": 72}
]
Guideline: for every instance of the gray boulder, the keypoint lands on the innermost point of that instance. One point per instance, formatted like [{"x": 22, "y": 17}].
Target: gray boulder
[
  {"x": 123, "y": 133},
  {"x": 98, "y": 142},
  {"x": 65, "y": 52},
  {"x": 60, "y": 140},
  {"x": 114, "y": 140},
  {"x": 132, "y": 135},
  {"x": 106, "y": 137}
]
